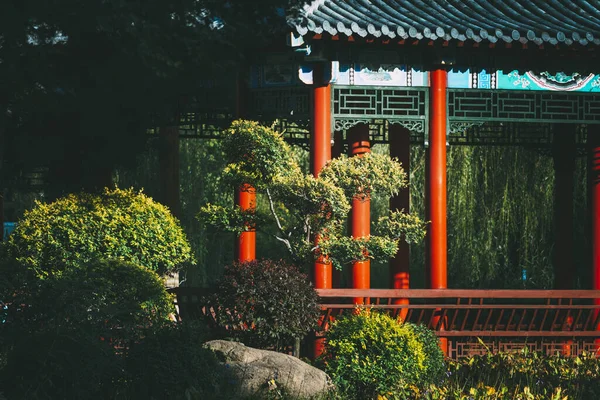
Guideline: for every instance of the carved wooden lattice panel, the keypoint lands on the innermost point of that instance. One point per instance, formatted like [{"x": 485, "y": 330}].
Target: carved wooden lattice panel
[
  {"x": 374, "y": 102},
  {"x": 523, "y": 106}
]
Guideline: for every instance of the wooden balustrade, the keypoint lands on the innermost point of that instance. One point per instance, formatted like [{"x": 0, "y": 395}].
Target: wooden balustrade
[{"x": 474, "y": 321}]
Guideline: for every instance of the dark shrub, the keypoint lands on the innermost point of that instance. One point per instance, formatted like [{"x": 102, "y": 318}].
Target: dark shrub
[
  {"x": 64, "y": 335},
  {"x": 265, "y": 303},
  {"x": 170, "y": 363},
  {"x": 110, "y": 298},
  {"x": 61, "y": 364}
]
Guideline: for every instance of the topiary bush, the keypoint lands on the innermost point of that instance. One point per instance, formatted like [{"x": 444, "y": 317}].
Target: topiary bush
[
  {"x": 370, "y": 353},
  {"x": 265, "y": 303},
  {"x": 76, "y": 229}
]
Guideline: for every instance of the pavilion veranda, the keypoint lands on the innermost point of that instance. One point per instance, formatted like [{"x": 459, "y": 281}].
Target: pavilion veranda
[{"x": 354, "y": 73}]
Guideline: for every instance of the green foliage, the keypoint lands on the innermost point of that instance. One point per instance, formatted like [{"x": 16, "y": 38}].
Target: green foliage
[
  {"x": 171, "y": 363},
  {"x": 113, "y": 299},
  {"x": 69, "y": 60},
  {"x": 370, "y": 353},
  {"x": 64, "y": 335},
  {"x": 519, "y": 375},
  {"x": 76, "y": 229},
  {"x": 302, "y": 207},
  {"x": 366, "y": 175},
  {"x": 256, "y": 154},
  {"x": 265, "y": 303}
]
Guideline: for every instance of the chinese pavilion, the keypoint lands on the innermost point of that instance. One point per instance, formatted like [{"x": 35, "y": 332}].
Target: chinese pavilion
[{"x": 440, "y": 73}]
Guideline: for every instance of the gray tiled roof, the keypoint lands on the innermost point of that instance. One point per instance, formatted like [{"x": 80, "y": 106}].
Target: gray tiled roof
[{"x": 565, "y": 22}]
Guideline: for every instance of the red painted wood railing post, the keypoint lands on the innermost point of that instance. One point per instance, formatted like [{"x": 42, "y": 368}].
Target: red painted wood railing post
[
  {"x": 360, "y": 223},
  {"x": 436, "y": 182},
  {"x": 320, "y": 152}
]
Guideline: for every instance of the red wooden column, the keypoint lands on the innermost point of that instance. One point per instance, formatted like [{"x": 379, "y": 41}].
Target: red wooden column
[
  {"x": 245, "y": 195},
  {"x": 436, "y": 181},
  {"x": 594, "y": 152},
  {"x": 399, "y": 138},
  {"x": 563, "y": 153},
  {"x": 436, "y": 188},
  {"x": 320, "y": 154},
  {"x": 360, "y": 223}
]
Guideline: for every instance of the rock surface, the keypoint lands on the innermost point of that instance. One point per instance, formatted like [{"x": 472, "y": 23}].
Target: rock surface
[{"x": 257, "y": 370}]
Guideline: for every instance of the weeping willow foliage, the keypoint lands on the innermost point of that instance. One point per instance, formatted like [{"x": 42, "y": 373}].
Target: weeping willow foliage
[{"x": 500, "y": 217}]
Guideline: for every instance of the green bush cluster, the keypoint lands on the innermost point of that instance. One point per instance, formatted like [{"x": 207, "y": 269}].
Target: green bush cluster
[
  {"x": 102, "y": 331},
  {"x": 265, "y": 303},
  {"x": 520, "y": 375},
  {"x": 78, "y": 228},
  {"x": 84, "y": 313},
  {"x": 371, "y": 354}
]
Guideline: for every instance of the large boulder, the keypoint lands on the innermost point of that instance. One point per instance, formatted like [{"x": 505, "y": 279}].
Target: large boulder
[{"x": 257, "y": 370}]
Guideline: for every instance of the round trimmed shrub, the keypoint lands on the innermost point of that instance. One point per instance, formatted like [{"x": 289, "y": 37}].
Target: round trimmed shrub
[
  {"x": 76, "y": 229},
  {"x": 265, "y": 303},
  {"x": 370, "y": 353}
]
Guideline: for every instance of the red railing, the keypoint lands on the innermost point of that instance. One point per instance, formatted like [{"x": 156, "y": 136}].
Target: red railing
[
  {"x": 476, "y": 321},
  {"x": 473, "y": 321}
]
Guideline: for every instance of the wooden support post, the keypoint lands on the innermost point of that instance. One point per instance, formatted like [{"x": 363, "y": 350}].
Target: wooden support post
[
  {"x": 320, "y": 154},
  {"x": 563, "y": 152},
  {"x": 399, "y": 138},
  {"x": 593, "y": 139},
  {"x": 358, "y": 140},
  {"x": 436, "y": 183}
]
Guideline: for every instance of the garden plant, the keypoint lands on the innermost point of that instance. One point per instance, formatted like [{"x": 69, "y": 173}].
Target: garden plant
[{"x": 302, "y": 207}]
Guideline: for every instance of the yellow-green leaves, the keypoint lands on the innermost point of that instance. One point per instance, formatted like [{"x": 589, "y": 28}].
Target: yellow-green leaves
[
  {"x": 118, "y": 224},
  {"x": 365, "y": 175},
  {"x": 256, "y": 154},
  {"x": 370, "y": 353}
]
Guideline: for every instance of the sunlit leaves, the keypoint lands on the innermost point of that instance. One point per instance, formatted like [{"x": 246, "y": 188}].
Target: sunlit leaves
[
  {"x": 119, "y": 224},
  {"x": 303, "y": 207},
  {"x": 365, "y": 175}
]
